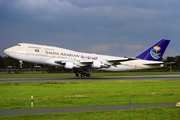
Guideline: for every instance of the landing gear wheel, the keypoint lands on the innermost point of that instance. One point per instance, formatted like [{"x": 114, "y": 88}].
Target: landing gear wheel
[
  {"x": 80, "y": 72},
  {"x": 82, "y": 75},
  {"x": 88, "y": 75},
  {"x": 85, "y": 74},
  {"x": 77, "y": 75}
]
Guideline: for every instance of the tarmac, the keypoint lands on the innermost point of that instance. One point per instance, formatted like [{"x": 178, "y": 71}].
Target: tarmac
[
  {"x": 106, "y": 78},
  {"x": 80, "y": 109}
]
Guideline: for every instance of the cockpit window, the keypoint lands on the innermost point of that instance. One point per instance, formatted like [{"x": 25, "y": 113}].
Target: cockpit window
[{"x": 18, "y": 45}]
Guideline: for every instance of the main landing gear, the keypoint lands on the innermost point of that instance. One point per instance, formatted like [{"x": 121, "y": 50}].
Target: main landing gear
[{"x": 83, "y": 74}]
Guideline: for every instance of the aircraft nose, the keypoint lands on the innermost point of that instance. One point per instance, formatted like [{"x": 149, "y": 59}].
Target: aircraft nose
[{"x": 6, "y": 51}]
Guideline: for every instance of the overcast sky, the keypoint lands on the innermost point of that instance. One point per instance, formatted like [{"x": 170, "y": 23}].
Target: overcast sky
[{"x": 112, "y": 27}]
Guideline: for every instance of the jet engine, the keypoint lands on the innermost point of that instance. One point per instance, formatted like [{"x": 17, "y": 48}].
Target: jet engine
[
  {"x": 68, "y": 65},
  {"x": 96, "y": 64}
]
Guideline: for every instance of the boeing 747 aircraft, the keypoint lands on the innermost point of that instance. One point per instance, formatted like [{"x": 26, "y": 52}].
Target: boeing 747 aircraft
[{"x": 84, "y": 63}]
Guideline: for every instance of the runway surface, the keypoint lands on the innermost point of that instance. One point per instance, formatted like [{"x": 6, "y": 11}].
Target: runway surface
[
  {"x": 109, "y": 78},
  {"x": 80, "y": 109}
]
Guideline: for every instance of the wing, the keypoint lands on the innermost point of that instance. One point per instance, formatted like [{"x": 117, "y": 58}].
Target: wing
[{"x": 70, "y": 64}]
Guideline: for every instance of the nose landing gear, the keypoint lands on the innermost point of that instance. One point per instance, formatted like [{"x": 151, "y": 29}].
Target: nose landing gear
[{"x": 20, "y": 64}]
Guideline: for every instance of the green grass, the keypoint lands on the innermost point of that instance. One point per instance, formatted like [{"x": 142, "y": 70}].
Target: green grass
[
  {"x": 88, "y": 93},
  {"x": 167, "y": 113},
  {"x": 57, "y": 75}
]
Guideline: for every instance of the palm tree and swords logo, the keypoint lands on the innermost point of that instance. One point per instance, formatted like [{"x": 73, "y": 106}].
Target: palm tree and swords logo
[{"x": 155, "y": 52}]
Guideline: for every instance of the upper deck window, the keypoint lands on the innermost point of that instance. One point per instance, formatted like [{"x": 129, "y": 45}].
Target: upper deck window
[
  {"x": 47, "y": 49},
  {"x": 34, "y": 47}
]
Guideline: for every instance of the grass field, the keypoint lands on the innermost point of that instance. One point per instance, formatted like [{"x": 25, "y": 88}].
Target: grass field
[
  {"x": 95, "y": 93},
  {"x": 167, "y": 113},
  {"x": 52, "y": 75}
]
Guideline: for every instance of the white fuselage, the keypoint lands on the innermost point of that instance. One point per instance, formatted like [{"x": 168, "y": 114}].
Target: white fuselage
[{"x": 42, "y": 54}]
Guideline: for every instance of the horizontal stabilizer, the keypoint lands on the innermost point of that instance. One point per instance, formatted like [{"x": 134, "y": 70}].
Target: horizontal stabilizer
[{"x": 153, "y": 63}]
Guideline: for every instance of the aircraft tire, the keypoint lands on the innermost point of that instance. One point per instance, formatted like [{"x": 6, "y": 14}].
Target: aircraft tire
[
  {"x": 77, "y": 75},
  {"x": 82, "y": 75},
  {"x": 88, "y": 75}
]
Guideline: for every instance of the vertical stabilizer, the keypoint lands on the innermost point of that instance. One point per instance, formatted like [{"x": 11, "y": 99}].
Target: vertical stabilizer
[{"x": 155, "y": 52}]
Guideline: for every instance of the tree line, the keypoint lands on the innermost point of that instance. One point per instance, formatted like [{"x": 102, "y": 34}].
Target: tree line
[
  {"x": 8, "y": 61},
  {"x": 176, "y": 62}
]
